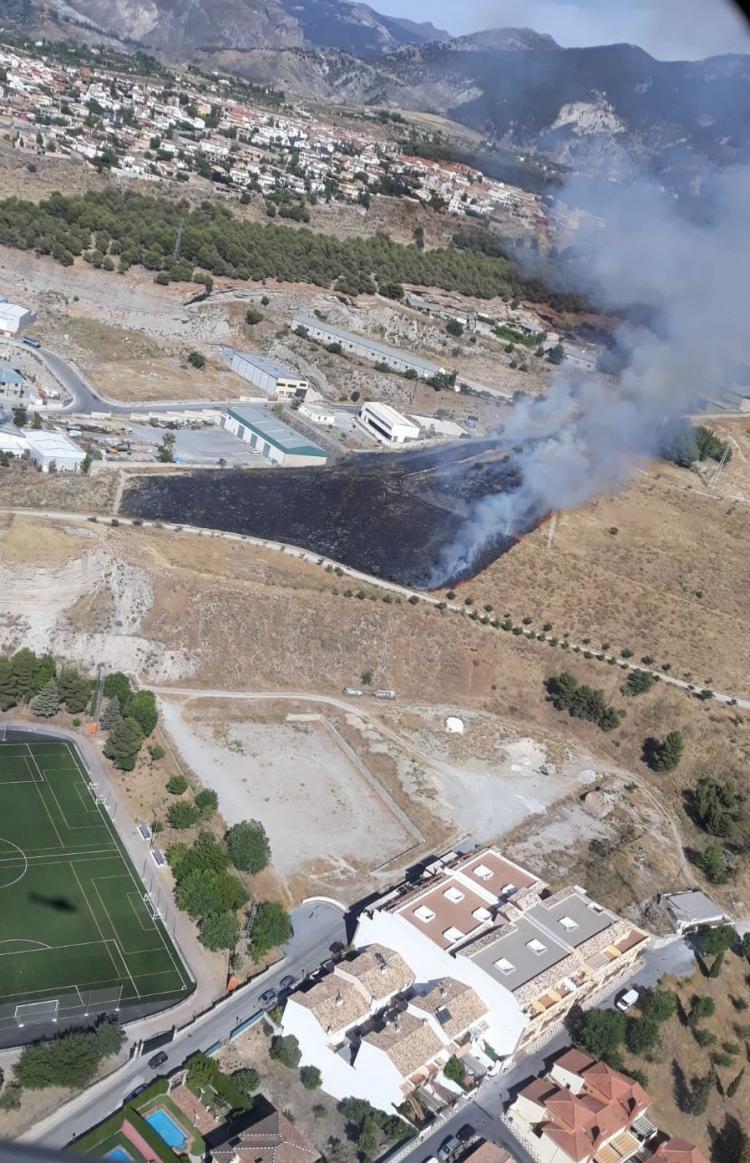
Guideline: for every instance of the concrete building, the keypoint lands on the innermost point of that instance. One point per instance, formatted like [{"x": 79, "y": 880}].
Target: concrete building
[
  {"x": 54, "y": 450},
  {"x": 387, "y": 425},
  {"x": 364, "y": 348},
  {"x": 275, "y": 380},
  {"x": 694, "y": 910},
  {"x": 486, "y": 921},
  {"x": 12, "y": 439},
  {"x": 272, "y": 438},
  {"x": 318, "y": 413},
  {"x": 14, "y": 317},
  {"x": 583, "y": 1112}
]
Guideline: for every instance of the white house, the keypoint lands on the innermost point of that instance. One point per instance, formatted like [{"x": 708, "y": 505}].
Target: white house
[
  {"x": 318, "y": 413},
  {"x": 386, "y": 424}
]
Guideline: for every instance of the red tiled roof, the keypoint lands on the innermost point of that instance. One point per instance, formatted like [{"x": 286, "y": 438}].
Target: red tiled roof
[
  {"x": 272, "y": 1140},
  {"x": 678, "y": 1151},
  {"x": 581, "y": 1123}
]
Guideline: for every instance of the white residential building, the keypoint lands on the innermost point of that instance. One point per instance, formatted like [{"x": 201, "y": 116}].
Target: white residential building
[
  {"x": 318, "y": 413},
  {"x": 386, "y": 424}
]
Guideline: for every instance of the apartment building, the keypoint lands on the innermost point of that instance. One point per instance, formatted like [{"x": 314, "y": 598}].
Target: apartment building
[{"x": 530, "y": 955}]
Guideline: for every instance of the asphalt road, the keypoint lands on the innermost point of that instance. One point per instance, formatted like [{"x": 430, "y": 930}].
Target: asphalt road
[
  {"x": 484, "y": 1112},
  {"x": 317, "y": 925}
]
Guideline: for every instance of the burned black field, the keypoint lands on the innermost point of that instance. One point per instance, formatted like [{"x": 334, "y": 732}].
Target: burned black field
[{"x": 392, "y": 515}]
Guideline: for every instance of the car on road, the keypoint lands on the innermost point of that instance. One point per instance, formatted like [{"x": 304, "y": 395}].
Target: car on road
[
  {"x": 158, "y": 1060},
  {"x": 626, "y": 999},
  {"x": 288, "y": 982},
  {"x": 30, "y": 341},
  {"x": 448, "y": 1148},
  {"x": 466, "y": 1132},
  {"x": 268, "y": 997}
]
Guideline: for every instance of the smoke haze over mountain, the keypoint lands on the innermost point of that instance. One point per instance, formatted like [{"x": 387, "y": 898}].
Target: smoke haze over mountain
[
  {"x": 588, "y": 435},
  {"x": 668, "y": 29}
]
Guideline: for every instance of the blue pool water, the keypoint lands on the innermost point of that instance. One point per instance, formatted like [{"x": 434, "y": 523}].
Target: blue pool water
[
  {"x": 120, "y": 1154},
  {"x": 167, "y": 1129}
]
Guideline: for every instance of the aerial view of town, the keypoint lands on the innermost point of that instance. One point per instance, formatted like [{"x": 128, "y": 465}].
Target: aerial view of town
[{"x": 374, "y": 575}]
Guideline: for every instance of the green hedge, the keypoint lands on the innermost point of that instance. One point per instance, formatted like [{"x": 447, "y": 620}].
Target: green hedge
[
  {"x": 110, "y": 1126},
  {"x": 224, "y": 1086}
]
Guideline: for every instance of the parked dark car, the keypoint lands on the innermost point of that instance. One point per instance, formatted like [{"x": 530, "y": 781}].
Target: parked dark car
[
  {"x": 448, "y": 1148},
  {"x": 158, "y": 1060},
  {"x": 466, "y": 1133},
  {"x": 268, "y": 997},
  {"x": 288, "y": 982}
]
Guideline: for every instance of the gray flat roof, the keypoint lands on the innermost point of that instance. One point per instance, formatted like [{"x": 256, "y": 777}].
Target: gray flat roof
[
  {"x": 268, "y": 365},
  {"x": 694, "y": 906},
  {"x": 513, "y": 946},
  {"x": 263, "y": 422},
  {"x": 380, "y": 348},
  {"x": 588, "y": 921}
]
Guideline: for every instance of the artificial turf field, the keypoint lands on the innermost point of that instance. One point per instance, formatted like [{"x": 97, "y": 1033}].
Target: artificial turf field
[{"x": 74, "y": 929}]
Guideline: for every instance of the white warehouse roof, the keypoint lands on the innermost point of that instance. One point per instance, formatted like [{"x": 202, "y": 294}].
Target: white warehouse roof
[
  {"x": 52, "y": 445},
  {"x": 389, "y": 414},
  {"x": 311, "y": 321},
  {"x": 277, "y": 370}
]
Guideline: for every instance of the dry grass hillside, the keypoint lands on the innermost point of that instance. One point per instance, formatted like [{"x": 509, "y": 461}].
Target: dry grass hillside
[{"x": 662, "y": 569}]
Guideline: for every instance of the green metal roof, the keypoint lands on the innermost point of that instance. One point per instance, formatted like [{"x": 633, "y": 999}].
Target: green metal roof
[{"x": 274, "y": 431}]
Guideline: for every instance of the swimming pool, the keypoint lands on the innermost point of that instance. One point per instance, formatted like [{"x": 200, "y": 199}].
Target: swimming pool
[
  {"x": 167, "y": 1129},
  {"x": 119, "y": 1154}
]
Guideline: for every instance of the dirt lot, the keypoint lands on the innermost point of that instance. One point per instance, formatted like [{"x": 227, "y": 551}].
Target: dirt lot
[
  {"x": 680, "y": 1056},
  {"x": 25, "y": 488},
  {"x": 312, "y": 1111}
]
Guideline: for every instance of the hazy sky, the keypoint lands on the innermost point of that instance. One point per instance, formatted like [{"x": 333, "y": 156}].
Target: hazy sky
[{"x": 669, "y": 29}]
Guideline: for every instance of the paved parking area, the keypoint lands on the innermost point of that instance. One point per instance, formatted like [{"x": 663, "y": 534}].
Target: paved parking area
[{"x": 204, "y": 446}]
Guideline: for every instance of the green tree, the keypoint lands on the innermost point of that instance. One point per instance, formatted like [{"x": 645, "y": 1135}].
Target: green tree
[
  {"x": 23, "y": 664},
  {"x": 665, "y": 754},
  {"x": 111, "y": 714},
  {"x": 205, "y": 852},
  {"x": 714, "y": 805},
  {"x": 197, "y": 359},
  {"x": 285, "y": 1049},
  {"x": 712, "y": 862},
  {"x": 9, "y": 695},
  {"x": 310, "y": 1077},
  {"x": 246, "y": 1079},
  {"x": 124, "y": 744},
  {"x": 207, "y": 802},
  {"x": 271, "y": 928},
  {"x": 117, "y": 685},
  {"x": 454, "y": 327},
  {"x": 700, "y": 1008},
  {"x": 46, "y": 703},
  {"x": 44, "y": 670},
  {"x": 716, "y": 967},
  {"x": 735, "y": 1084},
  {"x": 253, "y": 316},
  {"x": 712, "y": 942},
  {"x": 165, "y": 450},
  {"x": 176, "y": 785},
  {"x": 74, "y": 689},
  {"x": 641, "y": 1034},
  {"x": 69, "y": 1061},
  {"x": 600, "y": 1033},
  {"x": 109, "y": 1038},
  {"x": 556, "y": 354},
  {"x": 369, "y": 1138},
  {"x": 10, "y": 1099},
  {"x": 248, "y": 846},
  {"x": 454, "y": 1071},
  {"x": 142, "y": 708},
  {"x": 208, "y": 891},
  {"x": 183, "y": 815},
  {"x": 218, "y": 930},
  {"x": 659, "y": 1004},
  {"x": 700, "y": 1092},
  {"x": 639, "y": 682}
]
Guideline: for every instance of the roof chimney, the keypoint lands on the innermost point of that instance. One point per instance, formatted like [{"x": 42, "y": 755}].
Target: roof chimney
[{"x": 339, "y": 998}]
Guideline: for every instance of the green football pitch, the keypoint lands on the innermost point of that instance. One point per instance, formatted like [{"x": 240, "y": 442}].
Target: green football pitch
[{"x": 76, "y": 935}]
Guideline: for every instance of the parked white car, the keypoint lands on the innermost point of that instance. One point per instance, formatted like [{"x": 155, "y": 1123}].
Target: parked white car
[{"x": 627, "y": 999}]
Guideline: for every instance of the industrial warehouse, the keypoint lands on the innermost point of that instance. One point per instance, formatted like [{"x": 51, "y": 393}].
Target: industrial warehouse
[
  {"x": 272, "y": 438},
  {"x": 364, "y": 348},
  {"x": 275, "y": 380},
  {"x": 387, "y": 425}
]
